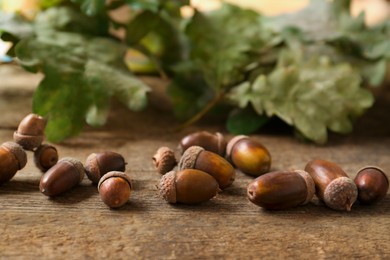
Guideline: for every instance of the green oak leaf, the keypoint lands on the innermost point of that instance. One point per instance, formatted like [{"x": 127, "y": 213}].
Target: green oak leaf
[
  {"x": 67, "y": 19},
  {"x": 220, "y": 43},
  {"x": 62, "y": 99},
  {"x": 119, "y": 83},
  {"x": 157, "y": 36},
  {"x": 81, "y": 75},
  {"x": 312, "y": 96}
]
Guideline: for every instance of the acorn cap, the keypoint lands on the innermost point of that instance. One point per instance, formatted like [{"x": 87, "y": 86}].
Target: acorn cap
[
  {"x": 340, "y": 194},
  {"x": 112, "y": 174},
  {"x": 310, "y": 185},
  {"x": 28, "y": 142},
  {"x": 167, "y": 187},
  {"x": 18, "y": 152},
  {"x": 77, "y": 164},
  {"x": 188, "y": 159},
  {"x": 232, "y": 143},
  {"x": 164, "y": 160}
]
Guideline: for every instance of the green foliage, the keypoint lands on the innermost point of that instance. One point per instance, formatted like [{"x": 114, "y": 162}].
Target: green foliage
[
  {"x": 16, "y": 25},
  {"x": 310, "y": 95},
  {"x": 158, "y": 36},
  {"x": 221, "y": 41},
  {"x": 82, "y": 73},
  {"x": 91, "y": 7},
  {"x": 245, "y": 121},
  {"x": 308, "y": 68}
]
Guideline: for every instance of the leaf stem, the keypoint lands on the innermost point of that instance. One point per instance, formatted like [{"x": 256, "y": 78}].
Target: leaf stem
[{"x": 202, "y": 112}]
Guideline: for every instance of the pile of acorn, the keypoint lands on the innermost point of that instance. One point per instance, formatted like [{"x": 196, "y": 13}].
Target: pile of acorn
[
  {"x": 105, "y": 169},
  {"x": 207, "y": 166}
]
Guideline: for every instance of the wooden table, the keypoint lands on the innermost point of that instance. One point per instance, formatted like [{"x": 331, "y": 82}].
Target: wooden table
[{"x": 78, "y": 225}]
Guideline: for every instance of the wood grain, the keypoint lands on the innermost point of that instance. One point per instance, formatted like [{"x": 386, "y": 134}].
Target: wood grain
[{"x": 78, "y": 225}]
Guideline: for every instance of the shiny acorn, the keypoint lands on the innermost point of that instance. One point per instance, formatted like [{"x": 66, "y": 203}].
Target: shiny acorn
[
  {"x": 198, "y": 158},
  {"x": 372, "y": 184},
  {"x": 248, "y": 155},
  {"x": 281, "y": 189},
  {"x": 333, "y": 186},
  {"x": 187, "y": 186},
  {"x": 45, "y": 157},
  {"x": 215, "y": 143},
  {"x": 63, "y": 176},
  {"x": 12, "y": 159},
  {"x": 30, "y": 132},
  {"x": 115, "y": 188},
  {"x": 98, "y": 164},
  {"x": 164, "y": 160}
]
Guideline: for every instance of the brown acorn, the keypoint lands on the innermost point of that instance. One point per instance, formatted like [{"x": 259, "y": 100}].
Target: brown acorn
[
  {"x": 115, "y": 188},
  {"x": 333, "y": 185},
  {"x": 164, "y": 160},
  {"x": 187, "y": 186},
  {"x": 45, "y": 157},
  {"x": 198, "y": 158},
  {"x": 215, "y": 143},
  {"x": 98, "y": 164},
  {"x": 372, "y": 184},
  {"x": 66, "y": 174},
  {"x": 281, "y": 189},
  {"x": 30, "y": 132},
  {"x": 248, "y": 155},
  {"x": 12, "y": 159}
]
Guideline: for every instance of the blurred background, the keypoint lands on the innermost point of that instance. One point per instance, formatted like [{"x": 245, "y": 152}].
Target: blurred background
[{"x": 376, "y": 10}]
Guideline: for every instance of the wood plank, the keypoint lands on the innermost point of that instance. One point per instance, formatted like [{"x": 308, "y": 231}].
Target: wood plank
[{"x": 78, "y": 225}]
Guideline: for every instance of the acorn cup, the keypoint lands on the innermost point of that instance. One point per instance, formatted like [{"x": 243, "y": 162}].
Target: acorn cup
[
  {"x": 198, "y": 158},
  {"x": 333, "y": 186},
  {"x": 12, "y": 159}
]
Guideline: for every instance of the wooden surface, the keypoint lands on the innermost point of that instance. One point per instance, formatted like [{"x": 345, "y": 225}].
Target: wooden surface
[{"x": 78, "y": 225}]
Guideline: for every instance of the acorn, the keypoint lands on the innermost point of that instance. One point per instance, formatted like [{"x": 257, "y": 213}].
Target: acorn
[
  {"x": 12, "y": 159},
  {"x": 45, "y": 157},
  {"x": 30, "y": 132},
  {"x": 198, "y": 158},
  {"x": 187, "y": 186},
  {"x": 248, "y": 155},
  {"x": 281, "y": 189},
  {"x": 164, "y": 160},
  {"x": 66, "y": 174},
  {"x": 115, "y": 188},
  {"x": 98, "y": 164},
  {"x": 333, "y": 186},
  {"x": 215, "y": 143},
  {"x": 372, "y": 184}
]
